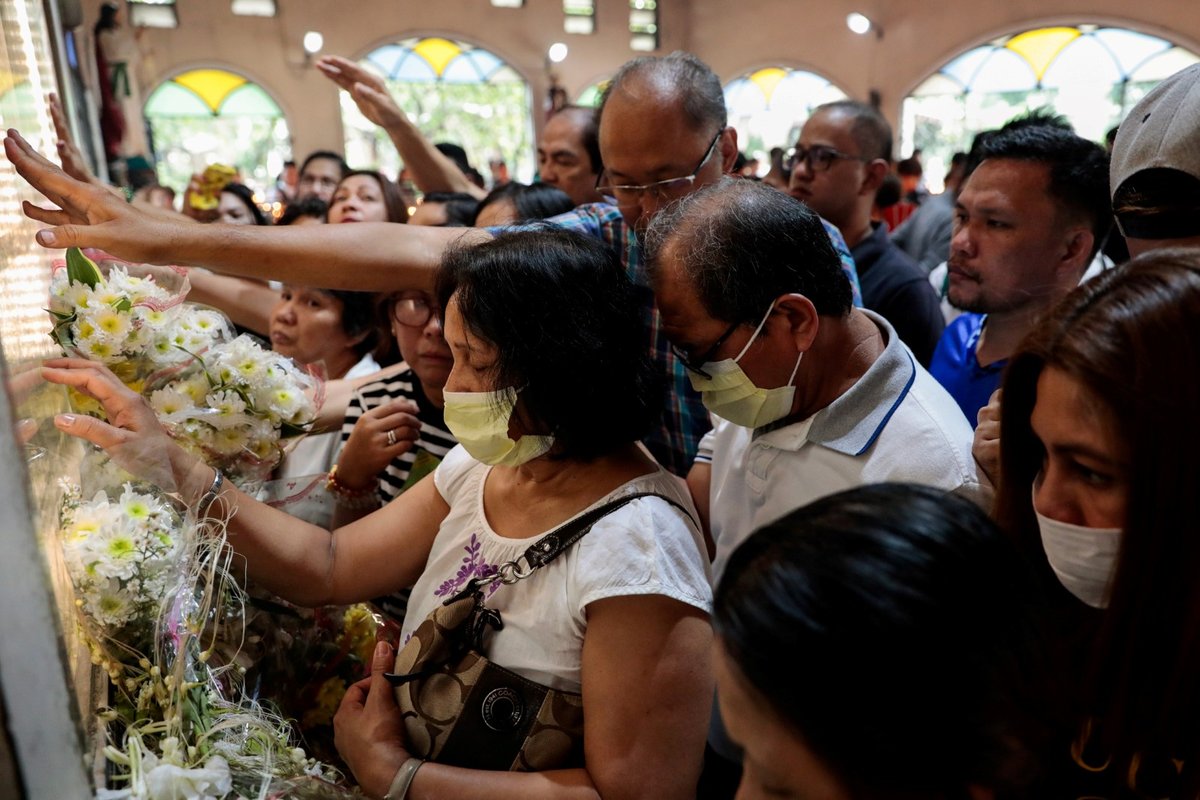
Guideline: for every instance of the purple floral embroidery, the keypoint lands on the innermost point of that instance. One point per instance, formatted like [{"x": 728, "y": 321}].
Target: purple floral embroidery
[{"x": 473, "y": 566}]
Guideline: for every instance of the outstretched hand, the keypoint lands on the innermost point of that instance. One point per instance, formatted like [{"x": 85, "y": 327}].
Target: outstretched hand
[
  {"x": 86, "y": 215},
  {"x": 368, "y": 731},
  {"x": 368, "y": 90},
  {"x": 69, "y": 155},
  {"x": 133, "y": 437}
]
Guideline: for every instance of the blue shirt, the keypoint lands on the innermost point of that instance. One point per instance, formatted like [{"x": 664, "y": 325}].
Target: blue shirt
[
  {"x": 685, "y": 420},
  {"x": 957, "y": 368}
]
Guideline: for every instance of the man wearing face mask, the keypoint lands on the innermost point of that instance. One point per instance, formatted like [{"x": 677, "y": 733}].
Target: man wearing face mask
[{"x": 809, "y": 395}]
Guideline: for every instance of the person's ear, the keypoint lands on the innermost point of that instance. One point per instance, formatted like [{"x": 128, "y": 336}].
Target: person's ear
[
  {"x": 1076, "y": 254},
  {"x": 728, "y": 147},
  {"x": 876, "y": 171},
  {"x": 802, "y": 319}
]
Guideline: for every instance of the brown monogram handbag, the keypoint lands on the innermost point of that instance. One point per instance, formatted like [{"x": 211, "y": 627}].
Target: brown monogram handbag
[{"x": 460, "y": 708}]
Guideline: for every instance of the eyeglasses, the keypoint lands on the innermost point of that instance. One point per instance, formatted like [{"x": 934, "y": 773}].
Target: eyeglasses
[
  {"x": 696, "y": 364},
  {"x": 819, "y": 158},
  {"x": 628, "y": 194},
  {"x": 415, "y": 312}
]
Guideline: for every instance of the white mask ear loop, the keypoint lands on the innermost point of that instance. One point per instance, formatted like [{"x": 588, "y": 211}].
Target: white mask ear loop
[
  {"x": 795, "y": 369},
  {"x": 754, "y": 336}
]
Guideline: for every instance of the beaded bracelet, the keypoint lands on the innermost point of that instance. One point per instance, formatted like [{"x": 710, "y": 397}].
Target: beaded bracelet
[{"x": 348, "y": 497}]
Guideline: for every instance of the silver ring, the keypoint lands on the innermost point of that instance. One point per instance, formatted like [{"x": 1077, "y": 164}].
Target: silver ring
[{"x": 391, "y": 436}]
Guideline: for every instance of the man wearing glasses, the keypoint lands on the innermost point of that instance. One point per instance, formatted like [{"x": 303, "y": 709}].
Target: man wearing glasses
[
  {"x": 812, "y": 396},
  {"x": 844, "y": 153},
  {"x": 663, "y": 134}
]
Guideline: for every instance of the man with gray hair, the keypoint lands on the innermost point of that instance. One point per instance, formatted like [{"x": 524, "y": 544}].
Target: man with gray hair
[{"x": 811, "y": 395}]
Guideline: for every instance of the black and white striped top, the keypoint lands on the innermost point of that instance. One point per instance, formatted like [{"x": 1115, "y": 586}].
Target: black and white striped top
[{"x": 433, "y": 441}]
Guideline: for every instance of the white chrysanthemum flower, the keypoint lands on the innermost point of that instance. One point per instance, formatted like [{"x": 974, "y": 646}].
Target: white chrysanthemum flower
[
  {"x": 170, "y": 401},
  {"x": 98, "y": 350},
  {"x": 113, "y": 606},
  {"x": 229, "y": 441},
  {"x": 111, "y": 323}
]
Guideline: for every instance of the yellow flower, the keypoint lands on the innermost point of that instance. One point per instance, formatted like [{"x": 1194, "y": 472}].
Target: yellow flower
[{"x": 329, "y": 697}]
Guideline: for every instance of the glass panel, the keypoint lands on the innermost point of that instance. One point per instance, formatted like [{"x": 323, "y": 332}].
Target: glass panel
[
  {"x": 1041, "y": 47},
  {"x": 153, "y": 16},
  {"x": 643, "y": 42},
  {"x": 254, "y": 8},
  {"x": 250, "y": 101},
  {"x": 437, "y": 52},
  {"x": 582, "y": 25},
  {"x": 763, "y": 121},
  {"x": 1084, "y": 62},
  {"x": 1130, "y": 48},
  {"x": 938, "y": 85},
  {"x": 172, "y": 100},
  {"x": 1004, "y": 71},
  {"x": 963, "y": 68},
  {"x": 212, "y": 85},
  {"x": 1165, "y": 65}
]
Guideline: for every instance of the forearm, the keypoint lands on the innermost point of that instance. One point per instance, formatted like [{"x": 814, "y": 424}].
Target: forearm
[
  {"x": 432, "y": 170},
  {"x": 363, "y": 257},
  {"x": 435, "y": 781},
  {"x": 247, "y": 302},
  {"x": 283, "y": 554}
]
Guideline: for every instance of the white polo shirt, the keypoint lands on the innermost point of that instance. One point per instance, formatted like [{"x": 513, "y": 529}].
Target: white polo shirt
[{"x": 895, "y": 424}]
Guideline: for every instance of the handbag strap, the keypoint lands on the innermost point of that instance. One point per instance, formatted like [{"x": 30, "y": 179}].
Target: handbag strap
[{"x": 555, "y": 543}]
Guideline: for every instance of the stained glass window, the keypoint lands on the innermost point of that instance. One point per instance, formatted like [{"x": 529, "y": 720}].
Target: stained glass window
[
  {"x": 454, "y": 92},
  {"x": 1090, "y": 74},
  {"x": 590, "y": 97},
  {"x": 206, "y": 116},
  {"x": 769, "y": 106}
]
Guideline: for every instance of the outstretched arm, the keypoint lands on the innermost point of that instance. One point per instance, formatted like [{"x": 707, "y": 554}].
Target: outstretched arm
[
  {"x": 300, "y": 562},
  {"x": 431, "y": 169},
  {"x": 366, "y": 257}
]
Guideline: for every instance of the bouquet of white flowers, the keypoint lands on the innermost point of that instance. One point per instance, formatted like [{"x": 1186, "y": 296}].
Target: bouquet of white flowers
[{"x": 235, "y": 410}]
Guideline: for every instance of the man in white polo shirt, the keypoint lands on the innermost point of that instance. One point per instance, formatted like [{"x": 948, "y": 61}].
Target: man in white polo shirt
[{"x": 810, "y": 396}]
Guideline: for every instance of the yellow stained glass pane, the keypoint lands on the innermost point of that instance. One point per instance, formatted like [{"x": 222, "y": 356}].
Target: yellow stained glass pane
[
  {"x": 1042, "y": 46},
  {"x": 768, "y": 80},
  {"x": 437, "y": 52},
  {"x": 211, "y": 85}
]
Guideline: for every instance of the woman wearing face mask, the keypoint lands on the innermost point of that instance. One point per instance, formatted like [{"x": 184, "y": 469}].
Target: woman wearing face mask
[
  {"x": 549, "y": 408},
  {"x": 1098, "y": 484}
]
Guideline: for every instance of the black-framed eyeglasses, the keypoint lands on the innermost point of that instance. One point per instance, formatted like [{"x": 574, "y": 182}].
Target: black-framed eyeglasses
[
  {"x": 819, "y": 158},
  {"x": 696, "y": 363},
  {"x": 415, "y": 312},
  {"x": 628, "y": 194}
]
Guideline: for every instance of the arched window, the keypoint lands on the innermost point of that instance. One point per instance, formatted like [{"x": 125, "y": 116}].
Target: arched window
[
  {"x": 1090, "y": 74},
  {"x": 769, "y": 106},
  {"x": 454, "y": 92},
  {"x": 590, "y": 97},
  {"x": 207, "y": 116}
]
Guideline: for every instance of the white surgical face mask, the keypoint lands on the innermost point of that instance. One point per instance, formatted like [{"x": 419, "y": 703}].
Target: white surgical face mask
[
  {"x": 480, "y": 420},
  {"x": 731, "y": 395},
  {"x": 1084, "y": 559}
]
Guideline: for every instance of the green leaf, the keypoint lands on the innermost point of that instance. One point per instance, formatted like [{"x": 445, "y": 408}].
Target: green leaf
[
  {"x": 123, "y": 304},
  {"x": 81, "y": 269}
]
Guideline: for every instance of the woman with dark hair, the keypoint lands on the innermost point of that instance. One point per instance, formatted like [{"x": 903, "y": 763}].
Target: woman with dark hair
[
  {"x": 878, "y": 643},
  {"x": 366, "y": 195},
  {"x": 1098, "y": 485},
  {"x": 335, "y": 331},
  {"x": 236, "y": 206},
  {"x": 514, "y": 203},
  {"x": 549, "y": 408}
]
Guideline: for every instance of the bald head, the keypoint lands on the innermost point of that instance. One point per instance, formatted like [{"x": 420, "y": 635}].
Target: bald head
[{"x": 678, "y": 79}]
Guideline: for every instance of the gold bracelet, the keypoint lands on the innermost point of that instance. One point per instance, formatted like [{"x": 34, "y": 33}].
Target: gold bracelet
[{"x": 348, "y": 497}]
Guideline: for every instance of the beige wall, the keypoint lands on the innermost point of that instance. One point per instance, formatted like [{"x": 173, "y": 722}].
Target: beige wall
[{"x": 919, "y": 35}]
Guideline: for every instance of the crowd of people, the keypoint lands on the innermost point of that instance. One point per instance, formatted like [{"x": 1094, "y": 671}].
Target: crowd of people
[{"x": 869, "y": 513}]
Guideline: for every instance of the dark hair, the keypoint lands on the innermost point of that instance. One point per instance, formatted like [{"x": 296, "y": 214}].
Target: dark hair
[
  {"x": 393, "y": 200},
  {"x": 532, "y": 201},
  {"x": 581, "y": 357},
  {"x": 455, "y": 153},
  {"x": 460, "y": 207},
  {"x": 359, "y": 315},
  {"x": 246, "y": 195},
  {"x": 1159, "y": 203},
  {"x": 1078, "y": 168},
  {"x": 889, "y": 191},
  {"x": 743, "y": 244},
  {"x": 1129, "y": 337},
  {"x": 328, "y": 155},
  {"x": 108, "y": 18},
  {"x": 311, "y": 206},
  {"x": 685, "y": 76},
  {"x": 589, "y": 133},
  {"x": 870, "y": 131},
  {"x": 910, "y": 167},
  {"x": 897, "y": 631}
]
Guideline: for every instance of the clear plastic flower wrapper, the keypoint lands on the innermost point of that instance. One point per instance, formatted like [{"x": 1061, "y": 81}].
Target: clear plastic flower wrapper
[
  {"x": 164, "y": 617},
  {"x": 228, "y": 400}
]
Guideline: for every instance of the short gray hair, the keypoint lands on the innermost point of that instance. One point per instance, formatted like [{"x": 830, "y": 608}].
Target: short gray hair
[{"x": 686, "y": 77}]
